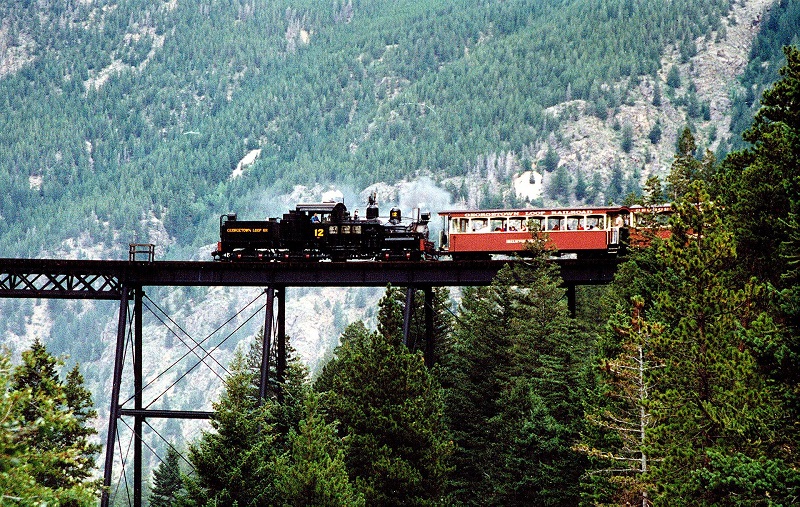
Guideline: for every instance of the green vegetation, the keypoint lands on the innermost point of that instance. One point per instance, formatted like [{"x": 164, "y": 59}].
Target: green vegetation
[
  {"x": 46, "y": 456},
  {"x": 687, "y": 396},
  {"x": 126, "y": 110}
]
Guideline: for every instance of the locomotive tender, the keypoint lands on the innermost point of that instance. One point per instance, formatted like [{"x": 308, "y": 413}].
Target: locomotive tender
[
  {"x": 324, "y": 231},
  {"x": 327, "y": 231}
]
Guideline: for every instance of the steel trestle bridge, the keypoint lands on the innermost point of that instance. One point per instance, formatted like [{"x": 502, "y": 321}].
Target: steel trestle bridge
[{"x": 123, "y": 281}]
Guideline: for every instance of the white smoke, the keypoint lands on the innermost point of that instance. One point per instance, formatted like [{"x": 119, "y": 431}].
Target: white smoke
[{"x": 423, "y": 194}]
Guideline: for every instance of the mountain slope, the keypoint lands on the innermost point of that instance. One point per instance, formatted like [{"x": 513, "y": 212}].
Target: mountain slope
[{"x": 124, "y": 112}]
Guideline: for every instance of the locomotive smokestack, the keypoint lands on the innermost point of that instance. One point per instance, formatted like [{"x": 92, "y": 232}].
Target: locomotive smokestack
[{"x": 372, "y": 208}]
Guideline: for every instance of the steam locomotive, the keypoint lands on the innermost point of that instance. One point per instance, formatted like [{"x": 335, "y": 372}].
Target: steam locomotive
[
  {"x": 328, "y": 231},
  {"x": 325, "y": 231}
]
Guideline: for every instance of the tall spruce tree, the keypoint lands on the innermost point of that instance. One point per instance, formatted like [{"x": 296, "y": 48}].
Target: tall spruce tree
[
  {"x": 391, "y": 318},
  {"x": 513, "y": 391},
  {"x": 762, "y": 183},
  {"x": 23, "y": 460},
  {"x": 713, "y": 398},
  {"x": 312, "y": 471},
  {"x": 167, "y": 482},
  {"x": 685, "y": 168},
  {"x": 761, "y": 191},
  {"x": 233, "y": 463},
  {"x": 65, "y": 409},
  {"x": 389, "y": 409},
  {"x": 620, "y": 412}
]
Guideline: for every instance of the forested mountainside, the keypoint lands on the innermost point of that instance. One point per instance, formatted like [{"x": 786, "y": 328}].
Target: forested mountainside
[
  {"x": 146, "y": 120},
  {"x": 121, "y": 116}
]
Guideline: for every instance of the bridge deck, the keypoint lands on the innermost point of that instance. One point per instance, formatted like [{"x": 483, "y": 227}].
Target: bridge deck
[{"x": 104, "y": 279}]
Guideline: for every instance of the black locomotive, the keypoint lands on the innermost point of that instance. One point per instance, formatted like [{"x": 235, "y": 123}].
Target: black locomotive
[{"x": 323, "y": 231}]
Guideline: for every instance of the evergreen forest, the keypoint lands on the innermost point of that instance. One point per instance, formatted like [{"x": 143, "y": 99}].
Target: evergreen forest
[
  {"x": 119, "y": 113},
  {"x": 675, "y": 385}
]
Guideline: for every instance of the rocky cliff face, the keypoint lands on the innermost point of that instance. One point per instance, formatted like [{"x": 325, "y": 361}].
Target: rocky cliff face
[{"x": 588, "y": 144}]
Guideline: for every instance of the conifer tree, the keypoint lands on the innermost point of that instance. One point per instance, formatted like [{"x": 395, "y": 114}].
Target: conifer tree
[
  {"x": 710, "y": 399},
  {"x": 761, "y": 191},
  {"x": 235, "y": 463},
  {"x": 389, "y": 409},
  {"x": 581, "y": 187},
  {"x": 622, "y": 414},
  {"x": 391, "y": 318},
  {"x": 69, "y": 437},
  {"x": 312, "y": 471},
  {"x": 760, "y": 183},
  {"x": 713, "y": 397},
  {"x": 232, "y": 463},
  {"x": 512, "y": 391},
  {"x": 390, "y": 314},
  {"x": 167, "y": 482},
  {"x": 685, "y": 168},
  {"x": 41, "y": 441}
]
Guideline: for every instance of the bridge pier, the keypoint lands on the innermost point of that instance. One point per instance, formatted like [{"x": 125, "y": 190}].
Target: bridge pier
[
  {"x": 266, "y": 344},
  {"x": 116, "y": 382},
  {"x": 407, "y": 316},
  {"x": 428, "y": 351},
  {"x": 138, "y": 387},
  {"x": 139, "y": 413},
  {"x": 571, "y": 299}
]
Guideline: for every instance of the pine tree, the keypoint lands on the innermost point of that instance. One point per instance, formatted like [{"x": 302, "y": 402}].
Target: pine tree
[
  {"x": 73, "y": 458},
  {"x": 36, "y": 454},
  {"x": 232, "y": 463},
  {"x": 389, "y": 409},
  {"x": 312, "y": 471},
  {"x": 512, "y": 390},
  {"x": 760, "y": 183},
  {"x": 614, "y": 192},
  {"x": 79, "y": 434},
  {"x": 581, "y": 187},
  {"x": 761, "y": 191},
  {"x": 655, "y": 133},
  {"x": 167, "y": 482},
  {"x": 551, "y": 160},
  {"x": 674, "y": 77},
  {"x": 622, "y": 414},
  {"x": 685, "y": 168},
  {"x": 391, "y": 318},
  {"x": 627, "y": 138},
  {"x": 711, "y": 397},
  {"x": 390, "y": 314},
  {"x": 656, "y": 94}
]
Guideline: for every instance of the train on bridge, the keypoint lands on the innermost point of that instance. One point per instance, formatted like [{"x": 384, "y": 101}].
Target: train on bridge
[{"x": 328, "y": 231}]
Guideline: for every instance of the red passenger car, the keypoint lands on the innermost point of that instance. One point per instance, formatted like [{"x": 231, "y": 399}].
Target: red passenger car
[{"x": 585, "y": 231}]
